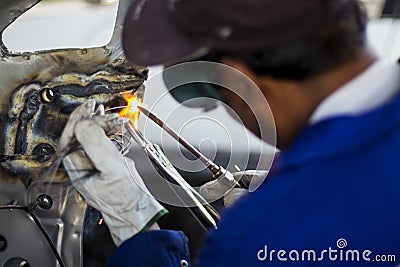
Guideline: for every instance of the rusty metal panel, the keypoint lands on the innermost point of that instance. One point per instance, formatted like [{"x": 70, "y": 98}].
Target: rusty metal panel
[{"x": 38, "y": 91}]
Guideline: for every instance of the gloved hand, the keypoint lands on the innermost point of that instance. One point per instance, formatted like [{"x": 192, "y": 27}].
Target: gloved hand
[
  {"x": 106, "y": 179},
  {"x": 215, "y": 189}
]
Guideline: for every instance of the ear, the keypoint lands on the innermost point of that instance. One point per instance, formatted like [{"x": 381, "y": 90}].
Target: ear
[{"x": 240, "y": 66}]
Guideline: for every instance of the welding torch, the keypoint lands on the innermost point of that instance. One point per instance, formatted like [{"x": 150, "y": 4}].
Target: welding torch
[
  {"x": 157, "y": 157},
  {"x": 219, "y": 172}
]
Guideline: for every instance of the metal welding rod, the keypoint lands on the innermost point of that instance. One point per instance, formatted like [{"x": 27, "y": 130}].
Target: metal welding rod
[{"x": 217, "y": 171}]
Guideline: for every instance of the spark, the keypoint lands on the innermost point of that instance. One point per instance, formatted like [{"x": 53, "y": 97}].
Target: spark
[
  {"x": 237, "y": 168},
  {"x": 131, "y": 111}
]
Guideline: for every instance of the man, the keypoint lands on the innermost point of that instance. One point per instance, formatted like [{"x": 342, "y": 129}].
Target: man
[{"x": 332, "y": 196}]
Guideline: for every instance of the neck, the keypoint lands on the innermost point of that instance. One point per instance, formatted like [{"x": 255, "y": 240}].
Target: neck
[{"x": 295, "y": 102}]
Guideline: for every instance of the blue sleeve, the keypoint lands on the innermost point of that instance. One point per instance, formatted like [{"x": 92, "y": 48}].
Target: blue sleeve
[{"x": 163, "y": 248}]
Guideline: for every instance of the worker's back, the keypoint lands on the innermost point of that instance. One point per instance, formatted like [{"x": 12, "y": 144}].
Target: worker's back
[{"x": 332, "y": 199}]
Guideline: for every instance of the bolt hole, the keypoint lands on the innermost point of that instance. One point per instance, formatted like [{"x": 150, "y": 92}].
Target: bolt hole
[
  {"x": 47, "y": 95},
  {"x": 16, "y": 262}
]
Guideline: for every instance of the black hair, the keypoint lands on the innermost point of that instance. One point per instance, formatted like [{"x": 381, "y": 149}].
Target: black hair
[{"x": 334, "y": 44}]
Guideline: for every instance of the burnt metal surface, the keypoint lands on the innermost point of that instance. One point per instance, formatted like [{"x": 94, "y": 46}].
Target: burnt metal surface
[{"x": 38, "y": 91}]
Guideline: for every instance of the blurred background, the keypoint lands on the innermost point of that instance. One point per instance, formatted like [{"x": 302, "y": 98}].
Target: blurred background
[{"x": 55, "y": 24}]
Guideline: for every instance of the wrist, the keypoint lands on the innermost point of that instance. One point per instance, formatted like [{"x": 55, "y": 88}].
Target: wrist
[{"x": 152, "y": 223}]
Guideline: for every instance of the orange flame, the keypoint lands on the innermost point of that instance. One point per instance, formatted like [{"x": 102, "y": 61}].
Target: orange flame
[{"x": 131, "y": 111}]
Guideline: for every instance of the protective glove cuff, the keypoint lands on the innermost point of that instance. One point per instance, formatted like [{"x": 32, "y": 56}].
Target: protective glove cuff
[
  {"x": 122, "y": 230},
  {"x": 155, "y": 219}
]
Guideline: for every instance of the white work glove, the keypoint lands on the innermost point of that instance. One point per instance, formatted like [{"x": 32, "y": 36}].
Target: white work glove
[
  {"x": 215, "y": 189},
  {"x": 106, "y": 179}
]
